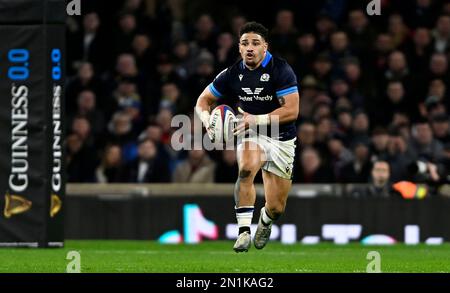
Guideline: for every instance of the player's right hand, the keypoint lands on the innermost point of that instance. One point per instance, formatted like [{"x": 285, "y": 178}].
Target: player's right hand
[
  {"x": 210, "y": 132},
  {"x": 204, "y": 117}
]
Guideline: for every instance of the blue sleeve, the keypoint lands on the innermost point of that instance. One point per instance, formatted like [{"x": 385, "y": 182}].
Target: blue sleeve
[
  {"x": 220, "y": 84},
  {"x": 285, "y": 80}
]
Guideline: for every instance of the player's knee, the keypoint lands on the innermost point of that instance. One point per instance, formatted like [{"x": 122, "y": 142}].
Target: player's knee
[
  {"x": 276, "y": 210},
  {"x": 247, "y": 171},
  {"x": 246, "y": 176}
]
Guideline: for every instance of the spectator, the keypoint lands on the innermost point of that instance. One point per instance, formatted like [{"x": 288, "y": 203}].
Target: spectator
[
  {"x": 125, "y": 33},
  {"x": 358, "y": 170},
  {"x": 396, "y": 101},
  {"x": 227, "y": 168},
  {"x": 227, "y": 51},
  {"x": 120, "y": 131},
  {"x": 154, "y": 132},
  {"x": 438, "y": 88},
  {"x": 205, "y": 33},
  {"x": 80, "y": 160},
  {"x": 109, "y": 170},
  {"x": 284, "y": 35},
  {"x": 432, "y": 106},
  {"x": 87, "y": 107},
  {"x": 148, "y": 167},
  {"x": 379, "y": 143},
  {"x": 197, "y": 168},
  {"x": 322, "y": 67},
  {"x": 311, "y": 170},
  {"x": 202, "y": 76},
  {"x": 323, "y": 132},
  {"x": 360, "y": 128},
  {"x": 360, "y": 33},
  {"x": 163, "y": 120},
  {"x": 165, "y": 72},
  {"x": 86, "y": 79},
  {"x": 380, "y": 186},
  {"x": 398, "y": 30},
  {"x": 421, "y": 13},
  {"x": 384, "y": 45},
  {"x": 325, "y": 25},
  {"x": 419, "y": 50},
  {"x": 399, "y": 156},
  {"x": 126, "y": 92},
  {"x": 144, "y": 51},
  {"x": 306, "y": 134},
  {"x": 440, "y": 125},
  {"x": 339, "y": 155},
  {"x": 126, "y": 66},
  {"x": 339, "y": 47},
  {"x": 360, "y": 85},
  {"x": 184, "y": 60},
  {"x": 397, "y": 69},
  {"x": 237, "y": 22},
  {"x": 309, "y": 93},
  {"x": 321, "y": 110},
  {"x": 344, "y": 124},
  {"x": 82, "y": 127},
  {"x": 441, "y": 34},
  {"x": 439, "y": 67},
  {"x": 306, "y": 53},
  {"x": 90, "y": 44},
  {"x": 173, "y": 100},
  {"x": 423, "y": 143}
]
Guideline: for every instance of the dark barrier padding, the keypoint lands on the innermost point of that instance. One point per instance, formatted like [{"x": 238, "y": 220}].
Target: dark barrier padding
[
  {"x": 55, "y": 134},
  {"x": 32, "y": 11},
  {"x": 31, "y": 80},
  {"x": 149, "y": 218}
]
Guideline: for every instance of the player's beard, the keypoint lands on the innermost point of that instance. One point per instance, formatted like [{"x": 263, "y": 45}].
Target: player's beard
[{"x": 253, "y": 61}]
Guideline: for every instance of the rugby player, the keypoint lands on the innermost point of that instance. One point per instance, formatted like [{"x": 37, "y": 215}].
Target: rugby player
[{"x": 266, "y": 89}]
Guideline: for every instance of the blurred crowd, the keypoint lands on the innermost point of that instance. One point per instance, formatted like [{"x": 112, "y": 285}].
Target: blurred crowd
[{"x": 373, "y": 88}]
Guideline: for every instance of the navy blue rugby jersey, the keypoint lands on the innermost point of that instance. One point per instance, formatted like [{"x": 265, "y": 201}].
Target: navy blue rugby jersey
[{"x": 258, "y": 90}]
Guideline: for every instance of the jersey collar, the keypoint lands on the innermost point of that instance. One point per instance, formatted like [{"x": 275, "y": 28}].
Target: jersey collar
[
  {"x": 264, "y": 63},
  {"x": 266, "y": 59}
]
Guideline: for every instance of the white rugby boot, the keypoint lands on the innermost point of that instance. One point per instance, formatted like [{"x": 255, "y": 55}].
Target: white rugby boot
[{"x": 243, "y": 242}]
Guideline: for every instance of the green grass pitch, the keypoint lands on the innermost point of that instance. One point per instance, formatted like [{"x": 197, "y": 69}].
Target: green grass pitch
[{"x": 149, "y": 256}]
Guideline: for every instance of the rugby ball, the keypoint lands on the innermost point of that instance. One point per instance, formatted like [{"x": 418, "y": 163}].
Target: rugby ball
[{"x": 222, "y": 121}]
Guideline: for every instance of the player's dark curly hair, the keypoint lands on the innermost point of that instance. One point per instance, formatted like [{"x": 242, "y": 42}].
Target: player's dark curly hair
[{"x": 254, "y": 27}]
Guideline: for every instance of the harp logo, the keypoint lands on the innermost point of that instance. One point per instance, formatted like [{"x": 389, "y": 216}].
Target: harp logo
[{"x": 15, "y": 204}]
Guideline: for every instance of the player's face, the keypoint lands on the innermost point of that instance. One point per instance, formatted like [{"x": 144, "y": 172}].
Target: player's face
[{"x": 252, "y": 48}]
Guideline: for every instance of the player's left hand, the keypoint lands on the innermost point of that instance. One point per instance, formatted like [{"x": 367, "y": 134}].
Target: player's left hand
[{"x": 245, "y": 121}]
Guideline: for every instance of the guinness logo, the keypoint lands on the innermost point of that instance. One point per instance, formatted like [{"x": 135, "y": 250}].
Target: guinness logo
[
  {"x": 55, "y": 205},
  {"x": 15, "y": 204}
]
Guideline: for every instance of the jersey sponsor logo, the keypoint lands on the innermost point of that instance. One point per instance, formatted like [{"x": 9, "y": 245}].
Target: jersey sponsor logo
[
  {"x": 254, "y": 95},
  {"x": 265, "y": 77},
  {"x": 245, "y": 98},
  {"x": 248, "y": 91}
]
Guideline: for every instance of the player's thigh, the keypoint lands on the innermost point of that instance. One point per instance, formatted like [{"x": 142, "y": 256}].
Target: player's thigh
[
  {"x": 276, "y": 191},
  {"x": 250, "y": 159}
]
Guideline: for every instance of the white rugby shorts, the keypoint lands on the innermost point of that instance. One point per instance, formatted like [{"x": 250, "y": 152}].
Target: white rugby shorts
[{"x": 279, "y": 155}]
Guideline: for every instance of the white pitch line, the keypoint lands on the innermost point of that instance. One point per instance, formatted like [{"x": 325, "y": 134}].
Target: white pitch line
[{"x": 190, "y": 252}]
